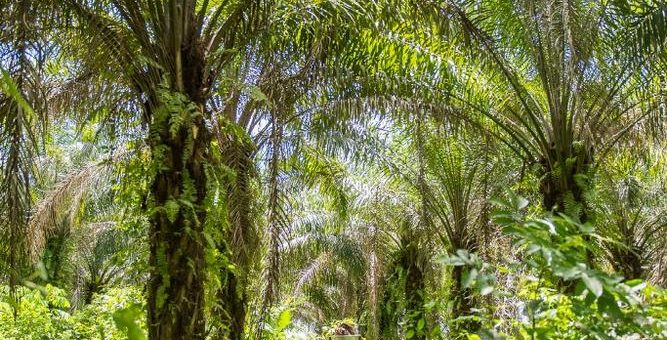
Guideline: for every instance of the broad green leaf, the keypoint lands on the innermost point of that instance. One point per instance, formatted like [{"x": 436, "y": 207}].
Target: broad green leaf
[
  {"x": 126, "y": 320},
  {"x": 284, "y": 319},
  {"x": 469, "y": 277},
  {"x": 420, "y": 324},
  {"x": 593, "y": 284}
]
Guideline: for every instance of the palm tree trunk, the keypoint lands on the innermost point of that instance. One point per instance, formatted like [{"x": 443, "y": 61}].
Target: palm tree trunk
[
  {"x": 233, "y": 301},
  {"x": 388, "y": 307},
  {"x": 462, "y": 301},
  {"x": 414, "y": 289},
  {"x": 177, "y": 211},
  {"x": 55, "y": 256},
  {"x": 628, "y": 262},
  {"x": 559, "y": 186},
  {"x": 241, "y": 240},
  {"x": 562, "y": 193},
  {"x": 15, "y": 179}
]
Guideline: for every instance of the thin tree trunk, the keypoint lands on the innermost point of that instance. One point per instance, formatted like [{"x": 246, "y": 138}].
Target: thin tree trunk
[
  {"x": 415, "y": 280},
  {"x": 373, "y": 288}
]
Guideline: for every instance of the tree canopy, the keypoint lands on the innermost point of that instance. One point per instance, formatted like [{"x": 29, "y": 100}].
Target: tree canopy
[{"x": 315, "y": 169}]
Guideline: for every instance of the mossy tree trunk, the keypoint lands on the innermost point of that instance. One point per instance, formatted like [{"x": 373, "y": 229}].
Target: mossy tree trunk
[
  {"x": 178, "y": 211},
  {"x": 404, "y": 293},
  {"x": 415, "y": 285},
  {"x": 563, "y": 187}
]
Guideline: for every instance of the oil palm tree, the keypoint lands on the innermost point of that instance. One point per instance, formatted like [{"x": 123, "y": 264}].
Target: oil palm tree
[
  {"x": 333, "y": 279},
  {"x": 449, "y": 171},
  {"x": 23, "y": 121},
  {"x": 559, "y": 87},
  {"x": 632, "y": 214},
  {"x": 458, "y": 199},
  {"x": 324, "y": 250},
  {"x": 72, "y": 230},
  {"x": 184, "y": 61},
  {"x": 171, "y": 54}
]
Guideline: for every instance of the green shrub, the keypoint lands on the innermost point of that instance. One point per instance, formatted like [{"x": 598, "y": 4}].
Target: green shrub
[
  {"x": 43, "y": 313},
  {"x": 561, "y": 295}
]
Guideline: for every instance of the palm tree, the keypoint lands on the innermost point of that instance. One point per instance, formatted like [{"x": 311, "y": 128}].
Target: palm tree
[
  {"x": 187, "y": 76},
  {"x": 171, "y": 53},
  {"x": 457, "y": 198},
  {"x": 449, "y": 170},
  {"x": 73, "y": 233},
  {"x": 333, "y": 281},
  {"x": 325, "y": 253},
  {"x": 97, "y": 260},
  {"x": 23, "y": 121},
  {"x": 632, "y": 213},
  {"x": 551, "y": 76},
  {"x": 177, "y": 57}
]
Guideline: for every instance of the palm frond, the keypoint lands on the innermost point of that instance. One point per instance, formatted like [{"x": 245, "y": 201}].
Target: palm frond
[{"x": 63, "y": 201}]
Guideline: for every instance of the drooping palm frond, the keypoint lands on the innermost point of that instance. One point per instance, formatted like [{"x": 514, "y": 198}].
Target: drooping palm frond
[
  {"x": 548, "y": 84},
  {"x": 645, "y": 24},
  {"x": 277, "y": 226},
  {"x": 96, "y": 260},
  {"x": 632, "y": 214},
  {"x": 22, "y": 123},
  {"x": 64, "y": 201}
]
